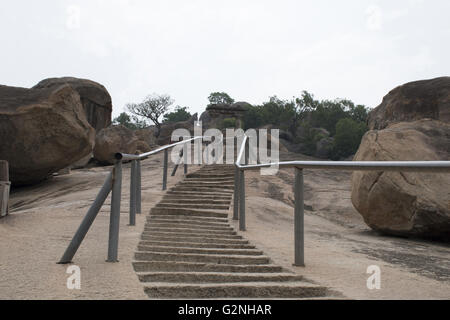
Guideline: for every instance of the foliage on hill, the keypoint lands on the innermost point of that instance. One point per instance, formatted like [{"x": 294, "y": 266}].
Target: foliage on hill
[{"x": 344, "y": 120}]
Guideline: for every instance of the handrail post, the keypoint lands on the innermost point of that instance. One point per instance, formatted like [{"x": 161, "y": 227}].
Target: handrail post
[
  {"x": 185, "y": 159},
  {"x": 299, "y": 227},
  {"x": 166, "y": 164},
  {"x": 114, "y": 224},
  {"x": 133, "y": 191},
  {"x": 138, "y": 187},
  {"x": 236, "y": 194},
  {"x": 87, "y": 221},
  {"x": 199, "y": 152},
  {"x": 242, "y": 200}
]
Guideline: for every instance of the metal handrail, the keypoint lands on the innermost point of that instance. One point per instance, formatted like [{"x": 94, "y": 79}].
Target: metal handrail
[
  {"x": 113, "y": 183},
  {"x": 239, "y": 191}
]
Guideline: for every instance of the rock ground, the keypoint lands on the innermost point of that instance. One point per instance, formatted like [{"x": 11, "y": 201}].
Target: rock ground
[{"x": 339, "y": 246}]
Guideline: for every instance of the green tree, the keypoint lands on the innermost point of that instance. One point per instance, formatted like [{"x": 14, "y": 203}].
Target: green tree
[
  {"x": 220, "y": 98},
  {"x": 180, "y": 114},
  {"x": 152, "y": 108},
  {"x": 348, "y": 137},
  {"x": 132, "y": 123},
  {"x": 228, "y": 123}
]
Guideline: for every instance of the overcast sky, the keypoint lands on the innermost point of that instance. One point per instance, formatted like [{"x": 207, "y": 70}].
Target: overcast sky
[{"x": 353, "y": 49}]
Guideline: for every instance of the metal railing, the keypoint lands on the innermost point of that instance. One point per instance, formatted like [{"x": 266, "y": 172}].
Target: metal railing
[
  {"x": 299, "y": 238},
  {"x": 113, "y": 183}
]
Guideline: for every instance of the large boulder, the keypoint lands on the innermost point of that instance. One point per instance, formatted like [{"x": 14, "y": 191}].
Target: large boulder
[
  {"x": 413, "y": 101},
  {"x": 215, "y": 114},
  {"x": 405, "y": 203},
  {"x": 324, "y": 148},
  {"x": 43, "y": 131},
  {"x": 115, "y": 139},
  {"x": 94, "y": 97},
  {"x": 146, "y": 135},
  {"x": 165, "y": 135}
]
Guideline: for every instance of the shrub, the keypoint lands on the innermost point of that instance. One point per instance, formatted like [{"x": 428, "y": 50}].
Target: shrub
[{"x": 348, "y": 137}]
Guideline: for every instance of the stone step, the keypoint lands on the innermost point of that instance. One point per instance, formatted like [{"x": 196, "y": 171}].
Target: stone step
[
  {"x": 260, "y": 290},
  {"x": 202, "y": 175},
  {"x": 205, "y": 239},
  {"x": 158, "y": 211},
  {"x": 216, "y": 277},
  {"x": 197, "y": 245},
  {"x": 209, "y": 258},
  {"x": 193, "y": 231},
  {"x": 183, "y": 226},
  {"x": 206, "y": 179},
  {"x": 220, "y": 185},
  {"x": 190, "y": 220},
  {"x": 205, "y": 190},
  {"x": 176, "y": 266},
  {"x": 166, "y": 204},
  {"x": 166, "y": 234},
  {"x": 177, "y": 200},
  {"x": 246, "y": 252},
  {"x": 215, "y": 195}
]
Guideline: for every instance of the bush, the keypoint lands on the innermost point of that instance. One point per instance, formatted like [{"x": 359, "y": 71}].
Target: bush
[
  {"x": 229, "y": 123},
  {"x": 348, "y": 138},
  {"x": 180, "y": 114}
]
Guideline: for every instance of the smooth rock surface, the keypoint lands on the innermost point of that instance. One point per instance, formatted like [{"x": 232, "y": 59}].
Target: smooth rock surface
[
  {"x": 413, "y": 101},
  {"x": 115, "y": 139},
  {"x": 407, "y": 204},
  {"x": 43, "y": 131},
  {"x": 95, "y": 98}
]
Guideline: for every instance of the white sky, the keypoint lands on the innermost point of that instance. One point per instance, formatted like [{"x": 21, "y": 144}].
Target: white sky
[{"x": 354, "y": 49}]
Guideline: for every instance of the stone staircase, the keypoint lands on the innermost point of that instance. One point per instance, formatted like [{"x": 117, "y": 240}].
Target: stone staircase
[{"x": 189, "y": 249}]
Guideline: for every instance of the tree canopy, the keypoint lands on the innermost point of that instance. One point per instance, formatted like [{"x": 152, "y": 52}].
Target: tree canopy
[
  {"x": 152, "y": 108},
  {"x": 180, "y": 114},
  {"x": 220, "y": 98}
]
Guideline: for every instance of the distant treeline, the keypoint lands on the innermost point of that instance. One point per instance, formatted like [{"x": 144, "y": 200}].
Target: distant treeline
[
  {"x": 334, "y": 125},
  {"x": 344, "y": 122}
]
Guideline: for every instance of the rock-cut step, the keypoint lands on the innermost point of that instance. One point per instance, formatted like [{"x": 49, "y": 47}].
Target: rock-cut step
[
  {"x": 209, "y": 258},
  {"x": 179, "y": 249},
  {"x": 199, "y": 239},
  {"x": 190, "y": 231},
  {"x": 197, "y": 245},
  {"x": 297, "y": 289},
  {"x": 167, "y": 204},
  {"x": 216, "y": 277},
  {"x": 159, "y": 211},
  {"x": 177, "y": 266},
  {"x": 189, "y": 249}
]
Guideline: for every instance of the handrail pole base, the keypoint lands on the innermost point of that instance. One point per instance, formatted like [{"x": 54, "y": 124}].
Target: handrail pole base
[
  {"x": 133, "y": 192},
  {"x": 242, "y": 226},
  {"x": 166, "y": 165},
  {"x": 87, "y": 221},
  {"x": 299, "y": 225},
  {"x": 114, "y": 225},
  {"x": 139, "y": 188},
  {"x": 236, "y": 194}
]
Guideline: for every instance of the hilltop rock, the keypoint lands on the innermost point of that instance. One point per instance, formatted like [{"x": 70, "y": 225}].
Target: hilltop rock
[
  {"x": 405, "y": 203},
  {"x": 413, "y": 101},
  {"x": 94, "y": 97},
  {"x": 215, "y": 114},
  {"x": 43, "y": 131}
]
